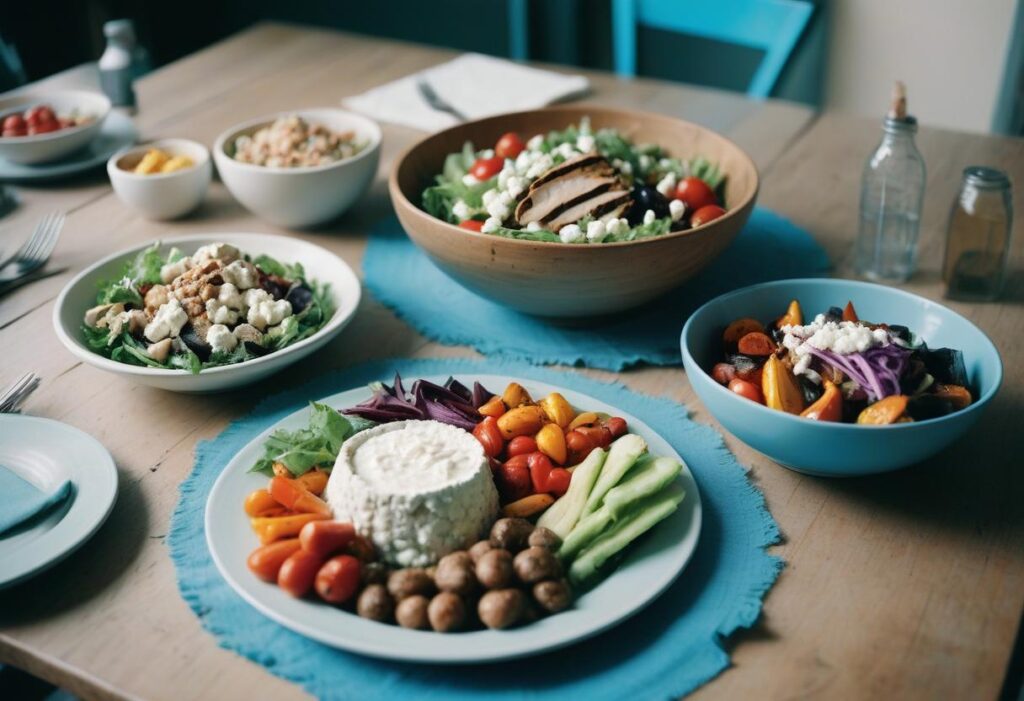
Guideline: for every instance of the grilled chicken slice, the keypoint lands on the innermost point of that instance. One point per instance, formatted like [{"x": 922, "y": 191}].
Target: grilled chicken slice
[
  {"x": 581, "y": 185},
  {"x": 596, "y": 206}
]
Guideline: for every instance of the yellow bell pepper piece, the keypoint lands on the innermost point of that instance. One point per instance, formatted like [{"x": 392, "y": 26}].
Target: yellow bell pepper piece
[
  {"x": 551, "y": 442},
  {"x": 557, "y": 409},
  {"x": 780, "y": 387}
]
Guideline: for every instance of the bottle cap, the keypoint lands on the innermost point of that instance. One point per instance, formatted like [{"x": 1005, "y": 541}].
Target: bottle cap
[
  {"x": 986, "y": 178},
  {"x": 121, "y": 29}
]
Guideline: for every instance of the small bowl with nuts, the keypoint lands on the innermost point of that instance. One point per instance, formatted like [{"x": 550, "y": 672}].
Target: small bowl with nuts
[{"x": 164, "y": 179}]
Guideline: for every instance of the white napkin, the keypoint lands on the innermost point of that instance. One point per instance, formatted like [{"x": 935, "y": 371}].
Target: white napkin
[{"x": 474, "y": 84}]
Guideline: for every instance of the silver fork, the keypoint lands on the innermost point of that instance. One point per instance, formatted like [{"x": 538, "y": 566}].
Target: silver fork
[
  {"x": 18, "y": 392},
  {"x": 428, "y": 93},
  {"x": 36, "y": 251}
]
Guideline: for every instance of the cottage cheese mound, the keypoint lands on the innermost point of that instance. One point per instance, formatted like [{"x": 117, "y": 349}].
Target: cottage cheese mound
[{"x": 418, "y": 489}]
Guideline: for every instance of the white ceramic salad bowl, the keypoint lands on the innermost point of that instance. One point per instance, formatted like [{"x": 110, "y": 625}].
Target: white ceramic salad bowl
[
  {"x": 321, "y": 265},
  {"x": 42, "y": 148}
]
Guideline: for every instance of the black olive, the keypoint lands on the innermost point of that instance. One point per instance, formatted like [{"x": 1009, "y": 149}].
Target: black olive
[
  {"x": 256, "y": 349},
  {"x": 646, "y": 197},
  {"x": 834, "y": 314},
  {"x": 191, "y": 338},
  {"x": 300, "y": 296}
]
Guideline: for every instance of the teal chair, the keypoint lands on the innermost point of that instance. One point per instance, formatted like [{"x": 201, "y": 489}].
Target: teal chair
[
  {"x": 771, "y": 26},
  {"x": 518, "y": 37}
]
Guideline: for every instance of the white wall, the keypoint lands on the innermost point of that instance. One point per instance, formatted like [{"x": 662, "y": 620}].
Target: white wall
[{"x": 950, "y": 53}]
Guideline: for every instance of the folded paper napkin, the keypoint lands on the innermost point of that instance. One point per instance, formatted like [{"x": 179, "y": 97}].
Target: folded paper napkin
[
  {"x": 473, "y": 84},
  {"x": 20, "y": 500}
]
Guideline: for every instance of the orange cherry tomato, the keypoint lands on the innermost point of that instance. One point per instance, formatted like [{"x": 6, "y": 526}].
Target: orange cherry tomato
[
  {"x": 540, "y": 469},
  {"x": 521, "y": 445},
  {"x": 695, "y": 193},
  {"x": 487, "y": 168},
  {"x": 298, "y": 572},
  {"x": 509, "y": 145},
  {"x": 265, "y": 561},
  {"x": 326, "y": 537},
  {"x": 723, "y": 373},
  {"x": 489, "y": 435},
  {"x": 747, "y": 389},
  {"x": 295, "y": 496},
  {"x": 558, "y": 481},
  {"x": 705, "y": 214},
  {"x": 338, "y": 579},
  {"x": 471, "y": 224}
]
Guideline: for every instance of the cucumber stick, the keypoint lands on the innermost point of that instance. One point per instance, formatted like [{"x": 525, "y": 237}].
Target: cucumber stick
[
  {"x": 643, "y": 517},
  {"x": 620, "y": 503},
  {"x": 622, "y": 455},
  {"x": 564, "y": 513}
]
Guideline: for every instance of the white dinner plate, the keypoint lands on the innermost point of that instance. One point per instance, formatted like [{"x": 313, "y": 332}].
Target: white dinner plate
[
  {"x": 45, "y": 453},
  {"x": 650, "y": 566},
  {"x": 117, "y": 132}
]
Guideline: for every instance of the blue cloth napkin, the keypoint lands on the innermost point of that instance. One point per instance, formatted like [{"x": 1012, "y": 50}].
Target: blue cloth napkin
[
  {"x": 404, "y": 279},
  {"x": 668, "y": 649},
  {"x": 21, "y": 500}
]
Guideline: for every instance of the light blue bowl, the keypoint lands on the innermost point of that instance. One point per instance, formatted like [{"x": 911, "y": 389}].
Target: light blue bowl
[{"x": 826, "y": 448}]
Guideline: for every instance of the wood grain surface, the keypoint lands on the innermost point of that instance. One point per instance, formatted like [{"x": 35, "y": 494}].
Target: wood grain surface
[{"x": 908, "y": 585}]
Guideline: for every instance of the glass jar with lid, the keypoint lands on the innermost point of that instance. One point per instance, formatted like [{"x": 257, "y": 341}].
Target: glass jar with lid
[{"x": 978, "y": 236}]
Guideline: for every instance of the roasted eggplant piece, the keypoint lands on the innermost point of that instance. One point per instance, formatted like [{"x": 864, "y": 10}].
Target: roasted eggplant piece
[
  {"x": 946, "y": 365},
  {"x": 299, "y": 296},
  {"x": 195, "y": 339},
  {"x": 256, "y": 349}
]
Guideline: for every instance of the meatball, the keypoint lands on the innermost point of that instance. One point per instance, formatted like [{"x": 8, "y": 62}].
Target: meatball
[
  {"x": 536, "y": 564},
  {"x": 479, "y": 549},
  {"x": 375, "y": 603},
  {"x": 553, "y": 595},
  {"x": 446, "y": 612},
  {"x": 410, "y": 582},
  {"x": 455, "y": 574},
  {"x": 412, "y": 612},
  {"x": 544, "y": 538},
  {"x": 501, "y": 608},
  {"x": 375, "y": 573},
  {"x": 494, "y": 569},
  {"x": 511, "y": 533}
]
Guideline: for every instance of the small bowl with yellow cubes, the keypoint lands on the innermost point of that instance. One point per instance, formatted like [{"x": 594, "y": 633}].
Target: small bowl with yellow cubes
[{"x": 164, "y": 179}]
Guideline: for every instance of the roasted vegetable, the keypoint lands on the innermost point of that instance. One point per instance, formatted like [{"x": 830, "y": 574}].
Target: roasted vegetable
[
  {"x": 829, "y": 406},
  {"x": 780, "y": 387},
  {"x": 885, "y": 411},
  {"x": 738, "y": 329},
  {"x": 794, "y": 316}
]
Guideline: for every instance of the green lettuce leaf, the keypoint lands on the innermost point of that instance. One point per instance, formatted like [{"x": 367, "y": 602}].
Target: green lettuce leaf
[{"x": 317, "y": 445}]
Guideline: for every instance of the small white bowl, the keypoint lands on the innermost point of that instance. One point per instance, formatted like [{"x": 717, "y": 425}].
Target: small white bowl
[
  {"x": 29, "y": 150},
  {"x": 162, "y": 195},
  {"x": 321, "y": 265},
  {"x": 304, "y": 196}
]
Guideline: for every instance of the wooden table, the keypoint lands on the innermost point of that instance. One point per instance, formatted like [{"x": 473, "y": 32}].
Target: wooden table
[{"x": 907, "y": 585}]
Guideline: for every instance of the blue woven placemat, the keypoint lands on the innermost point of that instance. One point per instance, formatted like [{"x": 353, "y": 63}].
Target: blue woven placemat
[
  {"x": 403, "y": 278},
  {"x": 670, "y": 648}
]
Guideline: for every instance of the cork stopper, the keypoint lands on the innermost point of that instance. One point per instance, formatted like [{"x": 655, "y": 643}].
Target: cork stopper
[{"x": 898, "y": 106}]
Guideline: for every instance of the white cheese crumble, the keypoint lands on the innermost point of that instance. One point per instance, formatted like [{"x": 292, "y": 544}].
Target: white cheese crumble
[
  {"x": 535, "y": 142},
  {"x": 221, "y": 339},
  {"x": 842, "y": 338},
  {"x": 461, "y": 210},
  {"x": 269, "y": 313},
  {"x": 649, "y": 216},
  {"x": 570, "y": 233},
  {"x": 224, "y": 252},
  {"x": 585, "y": 143},
  {"x": 170, "y": 271},
  {"x": 469, "y": 180},
  {"x": 220, "y": 313},
  {"x": 596, "y": 231},
  {"x": 168, "y": 321},
  {"x": 491, "y": 224},
  {"x": 667, "y": 185},
  {"x": 677, "y": 208},
  {"x": 229, "y": 296},
  {"x": 534, "y": 226},
  {"x": 241, "y": 274}
]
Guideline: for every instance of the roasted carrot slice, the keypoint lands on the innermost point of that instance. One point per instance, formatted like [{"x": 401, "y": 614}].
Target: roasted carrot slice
[
  {"x": 849, "y": 313},
  {"x": 314, "y": 480},
  {"x": 829, "y": 406},
  {"x": 756, "y": 343},
  {"x": 265, "y": 561},
  {"x": 274, "y": 528},
  {"x": 493, "y": 407},
  {"x": 260, "y": 503},
  {"x": 885, "y": 411},
  {"x": 528, "y": 506},
  {"x": 957, "y": 395},
  {"x": 740, "y": 328},
  {"x": 794, "y": 316},
  {"x": 295, "y": 496}
]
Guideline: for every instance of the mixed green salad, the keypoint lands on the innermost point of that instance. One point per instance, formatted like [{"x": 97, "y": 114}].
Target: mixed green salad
[
  {"x": 577, "y": 185},
  {"x": 214, "y": 307}
]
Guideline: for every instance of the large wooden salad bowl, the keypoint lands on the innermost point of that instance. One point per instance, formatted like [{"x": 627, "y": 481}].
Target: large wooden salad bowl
[{"x": 572, "y": 280}]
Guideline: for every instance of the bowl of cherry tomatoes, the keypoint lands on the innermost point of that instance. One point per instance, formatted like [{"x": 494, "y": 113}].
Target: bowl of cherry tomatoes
[{"x": 47, "y": 127}]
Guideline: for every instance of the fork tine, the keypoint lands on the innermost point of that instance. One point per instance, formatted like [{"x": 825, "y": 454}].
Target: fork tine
[
  {"x": 36, "y": 240},
  {"x": 54, "y": 222}
]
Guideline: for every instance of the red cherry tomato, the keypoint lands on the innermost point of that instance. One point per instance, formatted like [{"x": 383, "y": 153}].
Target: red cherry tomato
[
  {"x": 44, "y": 128},
  {"x": 558, "y": 481},
  {"x": 521, "y": 445},
  {"x": 14, "y": 121},
  {"x": 489, "y": 435},
  {"x": 706, "y": 214},
  {"x": 747, "y": 389},
  {"x": 579, "y": 445},
  {"x": 513, "y": 479},
  {"x": 540, "y": 469},
  {"x": 471, "y": 224},
  {"x": 40, "y": 114},
  {"x": 487, "y": 168},
  {"x": 509, "y": 145},
  {"x": 14, "y": 132},
  {"x": 599, "y": 435},
  {"x": 723, "y": 373},
  {"x": 695, "y": 193},
  {"x": 617, "y": 426},
  {"x": 338, "y": 579}
]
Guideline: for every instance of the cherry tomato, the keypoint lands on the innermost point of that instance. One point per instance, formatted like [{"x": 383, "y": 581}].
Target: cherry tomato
[
  {"x": 265, "y": 561},
  {"x": 361, "y": 549},
  {"x": 15, "y": 132},
  {"x": 513, "y": 479},
  {"x": 489, "y": 435},
  {"x": 298, "y": 572},
  {"x": 509, "y": 145},
  {"x": 40, "y": 114},
  {"x": 471, "y": 224},
  {"x": 747, "y": 389},
  {"x": 14, "y": 121},
  {"x": 540, "y": 469},
  {"x": 487, "y": 168},
  {"x": 521, "y": 445},
  {"x": 705, "y": 214},
  {"x": 325, "y": 538},
  {"x": 723, "y": 373},
  {"x": 579, "y": 445},
  {"x": 600, "y": 435},
  {"x": 338, "y": 580},
  {"x": 695, "y": 193},
  {"x": 558, "y": 481},
  {"x": 43, "y": 128},
  {"x": 617, "y": 426}
]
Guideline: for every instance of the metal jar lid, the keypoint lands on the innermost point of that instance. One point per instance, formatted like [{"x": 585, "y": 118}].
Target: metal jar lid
[{"x": 985, "y": 178}]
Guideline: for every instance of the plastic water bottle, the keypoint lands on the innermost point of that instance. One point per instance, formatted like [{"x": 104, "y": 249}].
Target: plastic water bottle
[
  {"x": 892, "y": 192},
  {"x": 117, "y": 69}
]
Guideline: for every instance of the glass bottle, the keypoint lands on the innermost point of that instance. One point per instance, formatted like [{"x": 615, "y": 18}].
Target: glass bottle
[
  {"x": 892, "y": 192},
  {"x": 117, "y": 69},
  {"x": 978, "y": 237}
]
